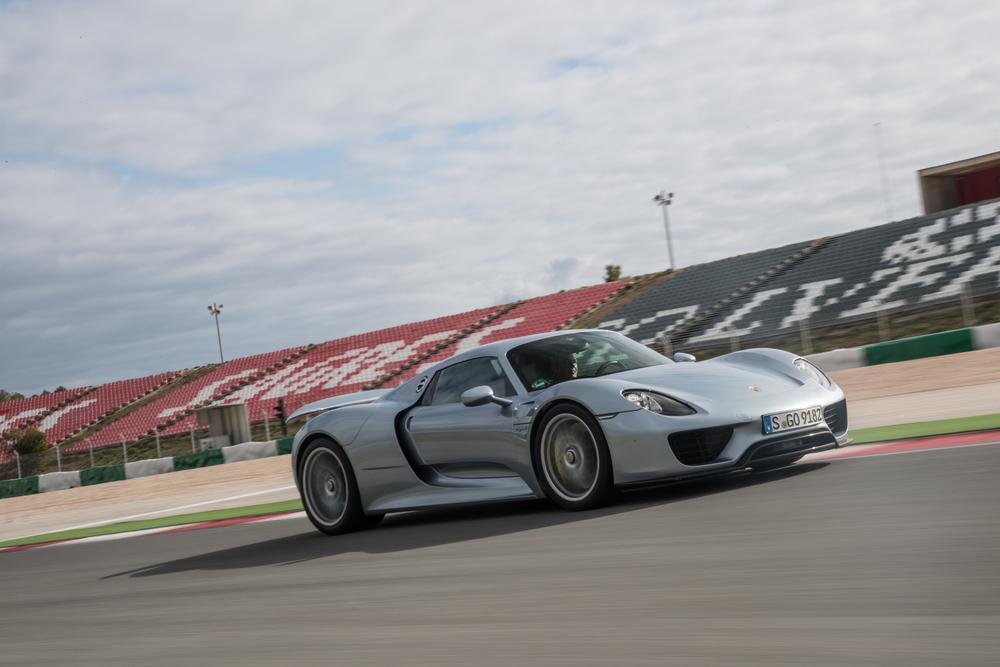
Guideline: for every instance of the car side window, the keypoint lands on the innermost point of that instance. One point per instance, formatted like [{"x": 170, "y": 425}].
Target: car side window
[{"x": 450, "y": 382}]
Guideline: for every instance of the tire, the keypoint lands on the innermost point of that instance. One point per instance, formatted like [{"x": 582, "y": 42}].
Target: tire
[
  {"x": 329, "y": 490},
  {"x": 572, "y": 462}
]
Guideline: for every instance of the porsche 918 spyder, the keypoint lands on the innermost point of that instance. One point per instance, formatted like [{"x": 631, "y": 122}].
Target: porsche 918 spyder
[{"x": 571, "y": 416}]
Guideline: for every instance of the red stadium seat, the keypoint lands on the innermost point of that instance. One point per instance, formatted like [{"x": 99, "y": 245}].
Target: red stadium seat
[
  {"x": 24, "y": 412},
  {"x": 99, "y": 403},
  {"x": 350, "y": 364},
  {"x": 172, "y": 408},
  {"x": 538, "y": 315},
  {"x": 385, "y": 358}
]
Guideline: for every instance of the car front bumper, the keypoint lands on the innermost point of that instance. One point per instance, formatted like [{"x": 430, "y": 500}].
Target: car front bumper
[{"x": 641, "y": 453}]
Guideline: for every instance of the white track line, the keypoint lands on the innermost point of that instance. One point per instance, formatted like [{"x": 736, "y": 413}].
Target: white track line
[
  {"x": 283, "y": 517},
  {"x": 152, "y": 531},
  {"x": 164, "y": 511},
  {"x": 102, "y": 538},
  {"x": 861, "y": 455}
]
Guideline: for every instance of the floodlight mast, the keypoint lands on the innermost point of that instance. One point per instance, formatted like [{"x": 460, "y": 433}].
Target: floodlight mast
[
  {"x": 663, "y": 200},
  {"x": 215, "y": 310}
]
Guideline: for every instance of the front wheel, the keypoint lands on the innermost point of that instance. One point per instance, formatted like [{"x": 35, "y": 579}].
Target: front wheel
[
  {"x": 330, "y": 491},
  {"x": 572, "y": 459}
]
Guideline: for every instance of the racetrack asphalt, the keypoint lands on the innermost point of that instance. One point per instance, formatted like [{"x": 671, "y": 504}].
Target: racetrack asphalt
[{"x": 890, "y": 560}]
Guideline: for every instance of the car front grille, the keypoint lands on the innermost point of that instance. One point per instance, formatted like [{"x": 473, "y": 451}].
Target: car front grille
[
  {"x": 836, "y": 416},
  {"x": 701, "y": 446},
  {"x": 792, "y": 446}
]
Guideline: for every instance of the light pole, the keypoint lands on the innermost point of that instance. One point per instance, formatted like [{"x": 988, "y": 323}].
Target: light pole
[
  {"x": 663, "y": 200},
  {"x": 216, "y": 309}
]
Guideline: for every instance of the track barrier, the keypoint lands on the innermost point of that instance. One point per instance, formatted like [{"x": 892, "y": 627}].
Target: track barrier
[
  {"x": 905, "y": 349},
  {"x": 55, "y": 481}
]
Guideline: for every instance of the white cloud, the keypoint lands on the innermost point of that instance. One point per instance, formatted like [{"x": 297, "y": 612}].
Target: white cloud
[{"x": 325, "y": 170}]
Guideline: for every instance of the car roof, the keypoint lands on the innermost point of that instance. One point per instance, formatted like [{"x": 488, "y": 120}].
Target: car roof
[
  {"x": 501, "y": 347},
  {"x": 409, "y": 389}
]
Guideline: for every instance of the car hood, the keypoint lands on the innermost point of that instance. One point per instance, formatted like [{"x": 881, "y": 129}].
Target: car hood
[{"x": 710, "y": 381}]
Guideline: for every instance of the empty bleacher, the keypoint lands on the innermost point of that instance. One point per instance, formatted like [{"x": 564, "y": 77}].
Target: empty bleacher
[
  {"x": 906, "y": 265},
  {"x": 350, "y": 364},
  {"x": 99, "y": 403},
  {"x": 678, "y": 297},
  {"x": 532, "y": 316},
  {"x": 910, "y": 264},
  {"x": 391, "y": 356},
  {"x": 26, "y": 412},
  {"x": 172, "y": 412}
]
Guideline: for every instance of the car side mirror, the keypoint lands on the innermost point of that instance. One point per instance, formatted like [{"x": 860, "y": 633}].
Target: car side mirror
[
  {"x": 681, "y": 357},
  {"x": 481, "y": 396}
]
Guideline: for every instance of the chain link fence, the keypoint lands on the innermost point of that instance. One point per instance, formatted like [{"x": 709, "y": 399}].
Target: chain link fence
[
  {"x": 83, "y": 454},
  {"x": 956, "y": 309}
]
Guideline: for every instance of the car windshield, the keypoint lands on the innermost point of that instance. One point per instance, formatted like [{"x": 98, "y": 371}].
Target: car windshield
[{"x": 543, "y": 363}]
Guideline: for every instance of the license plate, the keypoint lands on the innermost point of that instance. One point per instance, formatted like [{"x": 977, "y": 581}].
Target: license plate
[{"x": 786, "y": 421}]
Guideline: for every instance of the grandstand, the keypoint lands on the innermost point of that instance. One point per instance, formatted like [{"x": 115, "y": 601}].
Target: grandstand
[
  {"x": 350, "y": 364},
  {"x": 100, "y": 403},
  {"x": 908, "y": 266},
  {"x": 681, "y": 296},
  {"x": 28, "y": 412},
  {"x": 391, "y": 356},
  {"x": 173, "y": 412},
  {"x": 544, "y": 313}
]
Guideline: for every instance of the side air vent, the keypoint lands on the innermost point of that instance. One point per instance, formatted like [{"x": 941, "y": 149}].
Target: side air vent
[{"x": 701, "y": 446}]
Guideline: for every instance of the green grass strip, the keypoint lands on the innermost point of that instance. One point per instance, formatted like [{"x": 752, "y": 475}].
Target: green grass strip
[
  {"x": 921, "y": 429},
  {"x": 162, "y": 522}
]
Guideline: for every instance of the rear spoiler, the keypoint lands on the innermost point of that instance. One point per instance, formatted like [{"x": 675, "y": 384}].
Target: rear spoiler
[{"x": 334, "y": 402}]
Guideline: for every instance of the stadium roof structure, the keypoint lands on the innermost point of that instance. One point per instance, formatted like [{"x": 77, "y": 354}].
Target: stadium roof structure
[{"x": 968, "y": 181}]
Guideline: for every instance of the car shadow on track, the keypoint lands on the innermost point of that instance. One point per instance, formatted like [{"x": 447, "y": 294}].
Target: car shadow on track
[{"x": 429, "y": 528}]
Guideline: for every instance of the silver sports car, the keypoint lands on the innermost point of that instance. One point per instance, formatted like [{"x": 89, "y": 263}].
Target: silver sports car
[{"x": 572, "y": 416}]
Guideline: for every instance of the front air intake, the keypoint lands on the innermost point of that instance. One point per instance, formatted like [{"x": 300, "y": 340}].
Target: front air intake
[
  {"x": 792, "y": 446},
  {"x": 701, "y": 446},
  {"x": 836, "y": 416}
]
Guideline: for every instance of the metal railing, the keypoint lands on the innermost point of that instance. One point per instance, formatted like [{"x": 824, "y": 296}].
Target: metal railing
[
  {"x": 83, "y": 455},
  {"x": 961, "y": 308}
]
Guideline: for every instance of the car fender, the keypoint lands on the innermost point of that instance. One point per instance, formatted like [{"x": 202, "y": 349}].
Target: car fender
[
  {"x": 341, "y": 425},
  {"x": 601, "y": 398}
]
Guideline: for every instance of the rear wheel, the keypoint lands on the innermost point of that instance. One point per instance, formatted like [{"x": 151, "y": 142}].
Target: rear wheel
[
  {"x": 572, "y": 459},
  {"x": 330, "y": 491}
]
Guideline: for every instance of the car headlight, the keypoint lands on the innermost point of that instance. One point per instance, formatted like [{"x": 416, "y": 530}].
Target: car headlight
[
  {"x": 813, "y": 373},
  {"x": 658, "y": 403}
]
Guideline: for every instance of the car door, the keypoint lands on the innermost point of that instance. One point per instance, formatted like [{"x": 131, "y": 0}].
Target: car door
[{"x": 448, "y": 434}]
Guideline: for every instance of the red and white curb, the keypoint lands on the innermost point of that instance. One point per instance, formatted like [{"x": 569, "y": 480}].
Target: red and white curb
[
  {"x": 182, "y": 528},
  {"x": 934, "y": 442}
]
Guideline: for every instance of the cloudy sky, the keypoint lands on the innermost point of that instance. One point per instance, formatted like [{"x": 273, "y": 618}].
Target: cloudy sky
[{"x": 329, "y": 168}]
